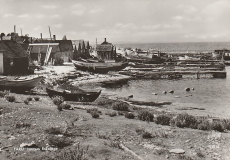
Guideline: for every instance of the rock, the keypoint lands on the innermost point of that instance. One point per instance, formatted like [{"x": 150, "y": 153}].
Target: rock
[
  {"x": 187, "y": 89},
  {"x": 177, "y": 151},
  {"x": 193, "y": 89},
  {"x": 154, "y": 93},
  {"x": 131, "y": 96},
  {"x": 164, "y": 92},
  {"x": 177, "y": 96},
  {"x": 171, "y": 91},
  {"x": 187, "y": 140},
  {"x": 28, "y": 145}
]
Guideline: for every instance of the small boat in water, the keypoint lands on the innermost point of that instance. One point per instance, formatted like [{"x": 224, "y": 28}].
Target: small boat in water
[
  {"x": 79, "y": 96},
  {"x": 19, "y": 84},
  {"x": 99, "y": 67}
]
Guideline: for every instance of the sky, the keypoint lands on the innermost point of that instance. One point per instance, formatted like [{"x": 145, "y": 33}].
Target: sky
[{"x": 120, "y": 21}]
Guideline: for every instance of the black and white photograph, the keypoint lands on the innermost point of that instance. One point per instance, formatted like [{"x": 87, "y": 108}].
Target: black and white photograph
[{"x": 114, "y": 79}]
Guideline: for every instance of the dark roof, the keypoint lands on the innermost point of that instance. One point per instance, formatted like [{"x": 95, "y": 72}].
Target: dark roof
[
  {"x": 43, "y": 40},
  {"x": 43, "y": 48},
  {"x": 65, "y": 45},
  {"x": 105, "y": 47},
  {"x": 12, "y": 49}
]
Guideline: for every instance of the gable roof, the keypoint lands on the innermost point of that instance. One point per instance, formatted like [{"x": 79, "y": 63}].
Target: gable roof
[
  {"x": 104, "y": 47},
  {"x": 65, "y": 45},
  {"x": 43, "y": 40},
  {"x": 42, "y": 47},
  {"x": 12, "y": 49}
]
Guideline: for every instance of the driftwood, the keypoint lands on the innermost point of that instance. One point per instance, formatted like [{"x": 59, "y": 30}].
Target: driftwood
[{"x": 130, "y": 151}]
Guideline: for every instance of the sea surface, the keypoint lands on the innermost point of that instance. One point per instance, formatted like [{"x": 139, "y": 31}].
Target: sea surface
[{"x": 188, "y": 46}]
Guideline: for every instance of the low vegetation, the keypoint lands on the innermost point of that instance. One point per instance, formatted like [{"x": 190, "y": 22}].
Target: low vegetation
[
  {"x": 163, "y": 119},
  {"x": 111, "y": 114},
  {"x": 54, "y": 130},
  {"x": 78, "y": 153},
  {"x": 65, "y": 105},
  {"x": 60, "y": 142},
  {"x": 57, "y": 100},
  {"x": 10, "y": 98},
  {"x": 145, "y": 116},
  {"x": 26, "y": 101},
  {"x": 120, "y": 106},
  {"x": 94, "y": 112},
  {"x": 29, "y": 98},
  {"x": 36, "y": 98},
  {"x": 129, "y": 115}
]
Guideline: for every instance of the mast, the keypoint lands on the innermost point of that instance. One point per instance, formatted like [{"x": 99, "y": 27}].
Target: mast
[{"x": 50, "y": 33}]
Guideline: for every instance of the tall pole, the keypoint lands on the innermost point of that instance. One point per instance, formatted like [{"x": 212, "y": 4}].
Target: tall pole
[
  {"x": 96, "y": 44},
  {"x": 50, "y": 33},
  {"x": 21, "y": 31}
]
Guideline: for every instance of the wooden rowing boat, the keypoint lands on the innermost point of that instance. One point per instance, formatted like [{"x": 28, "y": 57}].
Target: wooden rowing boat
[
  {"x": 99, "y": 67},
  {"x": 19, "y": 84},
  {"x": 76, "y": 96}
]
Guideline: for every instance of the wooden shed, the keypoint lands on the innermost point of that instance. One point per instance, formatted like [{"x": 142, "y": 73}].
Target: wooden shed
[
  {"x": 106, "y": 51},
  {"x": 13, "y": 58}
]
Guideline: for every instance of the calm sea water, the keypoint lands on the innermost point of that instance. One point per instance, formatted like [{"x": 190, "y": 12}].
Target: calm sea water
[
  {"x": 211, "y": 94},
  {"x": 195, "y": 46}
]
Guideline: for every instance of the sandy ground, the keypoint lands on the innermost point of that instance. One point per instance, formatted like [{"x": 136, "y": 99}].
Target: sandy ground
[{"x": 55, "y": 72}]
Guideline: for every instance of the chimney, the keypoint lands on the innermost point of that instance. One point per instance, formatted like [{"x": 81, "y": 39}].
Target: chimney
[
  {"x": 54, "y": 37},
  {"x": 41, "y": 35},
  {"x": 14, "y": 28},
  {"x": 105, "y": 39}
]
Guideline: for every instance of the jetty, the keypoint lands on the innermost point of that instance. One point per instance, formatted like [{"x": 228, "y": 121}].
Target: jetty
[{"x": 173, "y": 74}]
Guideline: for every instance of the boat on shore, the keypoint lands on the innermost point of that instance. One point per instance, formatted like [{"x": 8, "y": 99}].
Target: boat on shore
[
  {"x": 79, "y": 96},
  {"x": 19, "y": 85},
  {"x": 99, "y": 67}
]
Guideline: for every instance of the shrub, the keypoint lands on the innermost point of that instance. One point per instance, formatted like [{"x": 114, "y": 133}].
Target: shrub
[
  {"x": 53, "y": 130},
  {"x": 36, "y": 98},
  {"x": 93, "y": 110},
  {"x": 226, "y": 123},
  {"x": 146, "y": 135},
  {"x": 104, "y": 101},
  {"x": 204, "y": 125},
  {"x": 10, "y": 98},
  {"x": 29, "y": 98},
  {"x": 163, "y": 119},
  {"x": 185, "y": 120},
  {"x": 121, "y": 113},
  {"x": 218, "y": 126},
  {"x": 65, "y": 106},
  {"x": 95, "y": 114},
  {"x": 145, "y": 116},
  {"x": 139, "y": 131},
  {"x": 59, "y": 107},
  {"x": 79, "y": 153},
  {"x": 120, "y": 106},
  {"x": 112, "y": 114},
  {"x": 26, "y": 101},
  {"x": 57, "y": 100},
  {"x": 59, "y": 142},
  {"x": 130, "y": 115},
  {"x": 4, "y": 93}
]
